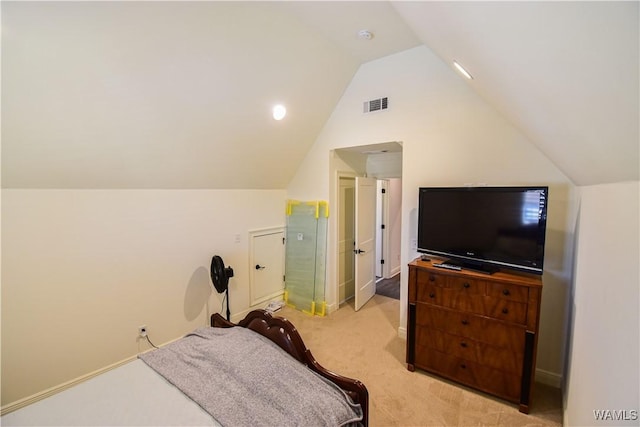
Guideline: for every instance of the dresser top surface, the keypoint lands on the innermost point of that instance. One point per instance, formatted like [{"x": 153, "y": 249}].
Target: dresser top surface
[{"x": 500, "y": 276}]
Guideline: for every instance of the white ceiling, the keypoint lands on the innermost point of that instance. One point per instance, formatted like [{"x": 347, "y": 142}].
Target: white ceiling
[
  {"x": 178, "y": 95},
  {"x": 565, "y": 73}
]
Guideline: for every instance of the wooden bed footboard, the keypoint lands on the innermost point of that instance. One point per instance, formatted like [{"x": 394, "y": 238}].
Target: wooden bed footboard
[{"x": 284, "y": 333}]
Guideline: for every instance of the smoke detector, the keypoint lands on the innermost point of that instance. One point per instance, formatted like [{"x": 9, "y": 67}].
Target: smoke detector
[{"x": 365, "y": 35}]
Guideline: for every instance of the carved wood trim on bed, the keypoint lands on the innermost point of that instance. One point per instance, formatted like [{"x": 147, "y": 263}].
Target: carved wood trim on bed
[{"x": 282, "y": 332}]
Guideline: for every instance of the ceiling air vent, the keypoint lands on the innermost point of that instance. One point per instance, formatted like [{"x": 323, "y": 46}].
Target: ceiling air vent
[{"x": 375, "y": 105}]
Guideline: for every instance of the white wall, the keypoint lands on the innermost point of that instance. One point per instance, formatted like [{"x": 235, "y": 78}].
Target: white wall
[
  {"x": 82, "y": 269},
  {"x": 449, "y": 137},
  {"x": 603, "y": 370}
]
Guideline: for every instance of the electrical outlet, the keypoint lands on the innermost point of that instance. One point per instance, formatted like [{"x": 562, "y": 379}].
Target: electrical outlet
[{"x": 142, "y": 331}]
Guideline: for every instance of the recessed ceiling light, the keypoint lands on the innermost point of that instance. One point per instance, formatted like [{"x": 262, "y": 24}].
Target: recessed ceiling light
[
  {"x": 279, "y": 111},
  {"x": 462, "y": 70}
]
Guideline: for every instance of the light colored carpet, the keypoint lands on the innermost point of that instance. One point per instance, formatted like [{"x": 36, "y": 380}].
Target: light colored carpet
[{"x": 365, "y": 345}]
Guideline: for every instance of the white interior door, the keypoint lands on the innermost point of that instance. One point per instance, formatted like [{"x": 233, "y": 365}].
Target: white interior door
[{"x": 365, "y": 240}]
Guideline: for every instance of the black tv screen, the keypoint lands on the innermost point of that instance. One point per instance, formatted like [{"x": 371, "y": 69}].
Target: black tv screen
[{"x": 484, "y": 228}]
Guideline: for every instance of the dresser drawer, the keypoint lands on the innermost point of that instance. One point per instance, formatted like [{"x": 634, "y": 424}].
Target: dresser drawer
[
  {"x": 498, "y": 308},
  {"x": 467, "y": 285},
  {"x": 470, "y": 373},
  {"x": 472, "y": 326},
  {"x": 458, "y": 293},
  {"x": 470, "y": 349},
  {"x": 508, "y": 292},
  {"x": 506, "y": 310},
  {"x": 452, "y": 298},
  {"x": 423, "y": 277}
]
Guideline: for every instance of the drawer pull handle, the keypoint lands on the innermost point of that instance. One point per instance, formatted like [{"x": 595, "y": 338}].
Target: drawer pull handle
[
  {"x": 463, "y": 344},
  {"x": 506, "y": 292},
  {"x": 463, "y": 366},
  {"x": 465, "y": 322},
  {"x": 432, "y": 295},
  {"x": 432, "y": 278},
  {"x": 466, "y": 285},
  {"x": 505, "y": 311}
]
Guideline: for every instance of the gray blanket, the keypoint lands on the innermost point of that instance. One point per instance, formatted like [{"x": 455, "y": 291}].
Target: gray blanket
[{"x": 243, "y": 379}]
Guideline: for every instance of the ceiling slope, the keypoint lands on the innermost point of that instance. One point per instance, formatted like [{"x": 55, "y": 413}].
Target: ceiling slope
[
  {"x": 178, "y": 94},
  {"x": 174, "y": 94},
  {"x": 565, "y": 73}
]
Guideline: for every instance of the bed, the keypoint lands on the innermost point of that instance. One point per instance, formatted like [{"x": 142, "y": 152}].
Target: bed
[{"x": 258, "y": 372}]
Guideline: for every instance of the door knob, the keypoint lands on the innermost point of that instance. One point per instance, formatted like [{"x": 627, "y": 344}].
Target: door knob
[
  {"x": 260, "y": 267},
  {"x": 358, "y": 251}
]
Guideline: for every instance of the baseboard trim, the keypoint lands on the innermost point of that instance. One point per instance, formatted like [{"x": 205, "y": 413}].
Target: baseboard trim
[
  {"x": 548, "y": 378},
  {"x": 26, "y": 401},
  {"x": 236, "y": 317},
  {"x": 10, "y": 407},
  {"x": 333, "y": 307},
  {"x": 402, "y": 332}
]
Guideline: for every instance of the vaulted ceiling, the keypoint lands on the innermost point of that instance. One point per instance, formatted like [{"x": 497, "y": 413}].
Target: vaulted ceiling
[
  {"x": 565, "y": 73},
  {"x": 179, "y": 94}
]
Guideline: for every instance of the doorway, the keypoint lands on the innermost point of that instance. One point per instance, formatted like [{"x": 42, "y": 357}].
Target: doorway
[
  {"x": 387, "y": 242},
  {"x": 384, "y": 163}
]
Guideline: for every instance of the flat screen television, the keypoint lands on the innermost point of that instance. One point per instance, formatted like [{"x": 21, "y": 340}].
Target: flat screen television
[{"x": 484, "y": 228}]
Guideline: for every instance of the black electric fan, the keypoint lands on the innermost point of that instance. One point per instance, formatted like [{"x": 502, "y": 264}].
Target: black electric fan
[{"x": 220, "y": 278}]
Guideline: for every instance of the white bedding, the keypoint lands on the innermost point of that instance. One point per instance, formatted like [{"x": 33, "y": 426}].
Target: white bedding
[{"x": 130, "y": 395}]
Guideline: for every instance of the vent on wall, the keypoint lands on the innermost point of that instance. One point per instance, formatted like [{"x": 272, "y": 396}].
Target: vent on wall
[{"x": 376, "y": 105}]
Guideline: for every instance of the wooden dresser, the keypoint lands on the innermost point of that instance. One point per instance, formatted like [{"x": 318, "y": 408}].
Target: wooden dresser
[{"x": 477, "y": 329}]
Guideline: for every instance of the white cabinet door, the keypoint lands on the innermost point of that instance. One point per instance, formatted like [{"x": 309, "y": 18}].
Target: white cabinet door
[{"x": 266, "y": 264}]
